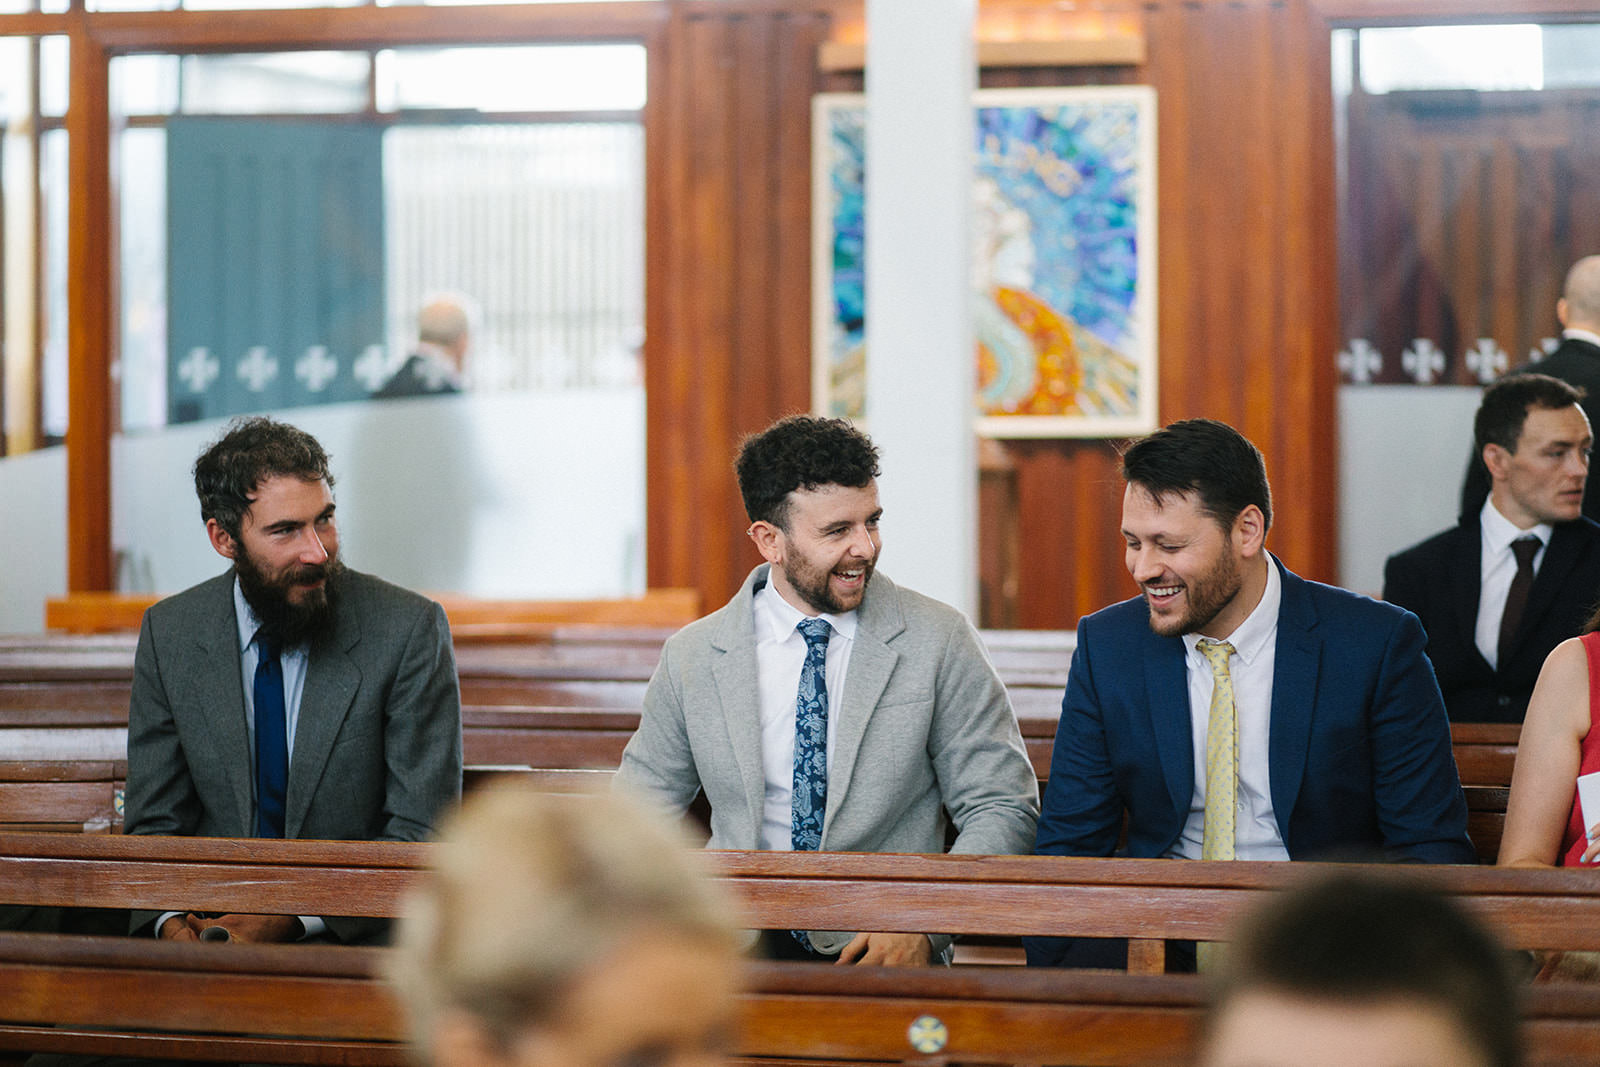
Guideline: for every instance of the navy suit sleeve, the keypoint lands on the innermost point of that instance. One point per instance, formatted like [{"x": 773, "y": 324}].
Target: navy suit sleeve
[
  {"x": 1422, "y": 813},
  {"x": 1082, "y": 811}
]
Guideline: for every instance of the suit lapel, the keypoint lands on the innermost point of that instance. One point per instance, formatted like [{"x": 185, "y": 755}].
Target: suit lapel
[
  {"x": 733, "y": 672},
  {"x": 216, "y": 689},
  {"x": 872, "y": 661},
  {"x": 1294, "y": 697},
  {"x": 332, "y": 679},
  {"x": 1166, "y": 678},
  {"x": 1466, "y": 561}
]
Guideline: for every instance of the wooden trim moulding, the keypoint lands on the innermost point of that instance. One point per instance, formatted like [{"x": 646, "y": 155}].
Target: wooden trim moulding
[
  {"x": 196, "y": 31},
  {"x": 840, "y": 57},
  {"x": 1453, "y": 12}
]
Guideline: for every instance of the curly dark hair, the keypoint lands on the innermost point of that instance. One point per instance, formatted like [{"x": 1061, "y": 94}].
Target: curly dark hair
[
  {"x": 800, "y": 452},
  {"x": 1206, "y": 457},
  {"x": 250, "y": 451}
]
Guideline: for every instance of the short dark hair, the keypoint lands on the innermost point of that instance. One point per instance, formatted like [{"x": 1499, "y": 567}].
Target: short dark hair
[
  {"x": 1505, "y": 406},
  {"x": 800, "y": 452},
  {"x": 1205, "y": 457},
  {"x": 1362, "y": 940},
  {"x": 250, "y": 451}
]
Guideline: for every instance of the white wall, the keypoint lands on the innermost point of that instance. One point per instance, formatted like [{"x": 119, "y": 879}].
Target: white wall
[
  {"x": 514, "y": 495},
  {"x": 1403, "y": 452},
  {"x": 33, "y": 537}
]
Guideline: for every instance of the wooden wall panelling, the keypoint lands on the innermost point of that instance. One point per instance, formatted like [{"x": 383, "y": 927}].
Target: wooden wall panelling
[{"x": 728, "y": 349}]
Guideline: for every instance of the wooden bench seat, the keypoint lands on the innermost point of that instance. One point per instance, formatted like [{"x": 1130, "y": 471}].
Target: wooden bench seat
[
  {"x": 793, "y": 1013},
  {"x": 1149, "y": 900},
  {"x": 80, "y": 795},
  {"x": 326, "y": 1005}
]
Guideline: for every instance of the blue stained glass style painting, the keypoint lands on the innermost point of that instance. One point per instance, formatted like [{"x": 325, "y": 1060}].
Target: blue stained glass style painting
[{"x": 1064, "y": 260}]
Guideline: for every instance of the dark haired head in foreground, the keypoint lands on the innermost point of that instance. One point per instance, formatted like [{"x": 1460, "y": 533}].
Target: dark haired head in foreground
[{"x": 1352, "y": 972}]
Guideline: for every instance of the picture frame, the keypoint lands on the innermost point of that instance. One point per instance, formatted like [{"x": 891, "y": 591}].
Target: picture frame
[{"x": 1064, "y": 246}]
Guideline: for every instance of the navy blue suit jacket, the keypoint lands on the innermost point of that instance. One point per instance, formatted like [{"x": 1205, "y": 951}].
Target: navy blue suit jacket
[{"x": 1358, "y": 752}]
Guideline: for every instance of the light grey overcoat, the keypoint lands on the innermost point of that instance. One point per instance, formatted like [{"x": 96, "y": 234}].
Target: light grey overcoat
[{"x": 924, "y": 728}]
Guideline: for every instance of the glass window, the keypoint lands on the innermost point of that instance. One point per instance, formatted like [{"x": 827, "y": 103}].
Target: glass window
[
  {"x": 19, "y": 288},
  {"x": 53, "y": 373},
  {"x": 54, "y": 76},
  {"x": 290, "y": 82},
  {"x": 526, "y": 78},
  {"x": 1452, "y": 57},
  {"x": 142, "y": 265},
  {"x": 144, "y": 85}
]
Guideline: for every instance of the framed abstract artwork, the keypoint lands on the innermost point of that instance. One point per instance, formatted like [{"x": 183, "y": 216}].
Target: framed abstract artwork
[{"x": 1064, "y": 247}]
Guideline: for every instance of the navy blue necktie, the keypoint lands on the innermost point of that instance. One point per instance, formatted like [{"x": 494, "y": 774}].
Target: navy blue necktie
[
  {"x": 809, "y": 800},
  {"x": 272, "y": 740}
]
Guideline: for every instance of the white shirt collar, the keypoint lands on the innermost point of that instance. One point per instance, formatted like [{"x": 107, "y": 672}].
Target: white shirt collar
[
  {"x": 1499, "y": 531},
  {"x": 1250, "y": 636},
  {"x": 782, "y": 617},
  {"x": 1576, "y": 334}
]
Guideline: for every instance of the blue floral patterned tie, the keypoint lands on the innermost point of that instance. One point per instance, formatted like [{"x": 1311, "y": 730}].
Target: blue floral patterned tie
[{"x": 810, "y": 797}]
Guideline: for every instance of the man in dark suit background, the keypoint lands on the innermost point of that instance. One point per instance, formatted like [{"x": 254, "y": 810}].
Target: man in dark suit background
[
  {"x": 1575, "y": 361},
  {"x": 434, "y": 367},
  {"x": 1235, "y": 710},
  {"x": 1489, "y": 630},
  {"x": 288, "y": 697}
]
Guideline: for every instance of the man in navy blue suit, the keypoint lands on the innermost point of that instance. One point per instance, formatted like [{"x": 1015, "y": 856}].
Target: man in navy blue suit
[{"x": 1314, "y": 709}]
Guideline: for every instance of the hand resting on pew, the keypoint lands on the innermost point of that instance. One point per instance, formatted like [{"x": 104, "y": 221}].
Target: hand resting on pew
[
  {"x": 248, "y": 928},
  {"x": 888, "y": 950}
]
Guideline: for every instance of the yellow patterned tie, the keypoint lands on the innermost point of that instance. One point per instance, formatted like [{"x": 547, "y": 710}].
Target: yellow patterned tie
[
  {"x": 1222, "y": 764},
  {"x": 1222, "y": 775}
]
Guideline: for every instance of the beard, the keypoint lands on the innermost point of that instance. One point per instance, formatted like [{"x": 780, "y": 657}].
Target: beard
[
  {"x": 282, "y": 619},
  {"x": 810, "y": 581},
  {"x": 1206, "y": 595}
]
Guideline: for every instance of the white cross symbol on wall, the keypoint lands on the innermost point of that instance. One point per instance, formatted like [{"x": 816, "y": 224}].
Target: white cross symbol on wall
[
  {"x": 1360, "y": 362},
  {"x": 315, "y": 368},
  {"x": 371, "y": 369},
  {"x": 1423, "y": 361},
  {"x": 257, "y": 368},
  {"x": 199, "y": 369},
  {"x": 1487, "y": 360}
]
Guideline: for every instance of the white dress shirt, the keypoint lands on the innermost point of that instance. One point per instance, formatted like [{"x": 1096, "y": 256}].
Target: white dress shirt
[
  {"x": 1255, "y": 645},
  {"x": 1575, "y": 334},
  {"x": 780, "y": 653},
  {"x": 1497, "y": 567}
]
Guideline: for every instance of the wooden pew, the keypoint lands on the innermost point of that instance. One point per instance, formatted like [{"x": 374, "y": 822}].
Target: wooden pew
[
  {"x": 993, "y": 1017},
  {"x": 326, "y": 1005},
  {"x": 1148, "y": 900},
  {"x": 80, "y": 795}
]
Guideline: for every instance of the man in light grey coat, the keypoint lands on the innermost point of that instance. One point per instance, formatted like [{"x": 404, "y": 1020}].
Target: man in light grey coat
[{"x": 885, "y": 716}]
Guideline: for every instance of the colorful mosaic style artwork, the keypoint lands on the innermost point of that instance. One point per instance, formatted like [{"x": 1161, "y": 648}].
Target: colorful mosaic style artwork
[{"x": 1064, "y": 261}]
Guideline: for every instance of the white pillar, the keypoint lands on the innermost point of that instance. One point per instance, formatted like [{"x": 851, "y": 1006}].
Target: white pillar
[{"x": 920, "y": 76}]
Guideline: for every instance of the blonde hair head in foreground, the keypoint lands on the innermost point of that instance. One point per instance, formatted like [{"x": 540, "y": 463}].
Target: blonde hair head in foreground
[{"x": 540, "y": 910}]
